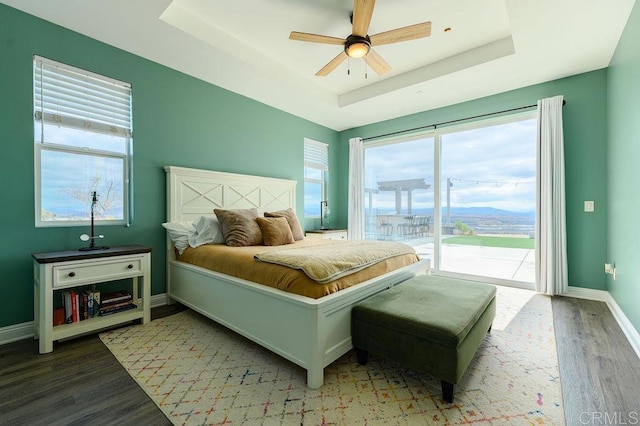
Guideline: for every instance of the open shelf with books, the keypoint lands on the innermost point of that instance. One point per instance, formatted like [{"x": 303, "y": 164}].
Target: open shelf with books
[{"x": 75, "y": 277}]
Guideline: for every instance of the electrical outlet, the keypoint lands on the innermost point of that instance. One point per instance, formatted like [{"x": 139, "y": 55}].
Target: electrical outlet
[{"x": 608, "y": 269}]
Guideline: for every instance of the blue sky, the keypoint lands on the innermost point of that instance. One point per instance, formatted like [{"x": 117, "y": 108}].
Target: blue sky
[
  {"x": 489, "y": 167},
  {"x": 67, "y": 179}
]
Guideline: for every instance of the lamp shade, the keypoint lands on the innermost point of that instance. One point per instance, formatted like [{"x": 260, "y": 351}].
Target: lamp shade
[
  {"x": 357, "y": 47},
  {"x": 357, "y": 50}
]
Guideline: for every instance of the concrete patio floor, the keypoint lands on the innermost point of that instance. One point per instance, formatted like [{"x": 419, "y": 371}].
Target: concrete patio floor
[{"x": 494, "y": 262}]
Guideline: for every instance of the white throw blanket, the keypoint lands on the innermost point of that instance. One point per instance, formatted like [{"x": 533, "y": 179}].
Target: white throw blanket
[{"x": 329, "y": 262}]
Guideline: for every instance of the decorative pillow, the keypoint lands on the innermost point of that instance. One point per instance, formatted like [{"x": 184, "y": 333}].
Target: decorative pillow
[
  {"x": 207, "y": 231},
  {"x": 292, "y": 219},
  {"x": 179, "y": 233},
  {"x": 239, "y": 227},
  {"x": 275, "y": 231}
]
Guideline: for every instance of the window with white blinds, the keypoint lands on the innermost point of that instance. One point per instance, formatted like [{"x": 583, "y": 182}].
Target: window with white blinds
[
  {"x": 316, "y": 168},
  {"x": 83, "y": 139}
]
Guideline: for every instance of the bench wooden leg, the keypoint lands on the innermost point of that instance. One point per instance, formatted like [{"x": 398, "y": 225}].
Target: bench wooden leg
[
  {"x": 362, "y": 356},
  {"x": 447, "y": 391}
]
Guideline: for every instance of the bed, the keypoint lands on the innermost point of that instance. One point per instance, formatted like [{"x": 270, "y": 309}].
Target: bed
[{"x": 311, "y": 333}]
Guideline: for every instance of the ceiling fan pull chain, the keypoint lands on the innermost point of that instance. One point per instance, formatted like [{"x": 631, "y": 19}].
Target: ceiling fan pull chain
[
  {"x": 348, "y": 65},
  {"x": 365, "y": 71}
]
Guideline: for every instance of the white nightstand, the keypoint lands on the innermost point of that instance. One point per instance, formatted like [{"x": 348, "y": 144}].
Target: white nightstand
[
  {"x": 68, "y": 269},
  {"x": 328, "y": 234}
]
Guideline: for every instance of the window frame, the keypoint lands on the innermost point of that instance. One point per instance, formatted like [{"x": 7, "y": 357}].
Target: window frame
[
  {"x": 83, "y": 122},
  {"x": 316, "y": 157}
]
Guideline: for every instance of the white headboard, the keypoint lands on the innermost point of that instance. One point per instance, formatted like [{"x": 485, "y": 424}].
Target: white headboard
[{"x": 192, "y": 193}]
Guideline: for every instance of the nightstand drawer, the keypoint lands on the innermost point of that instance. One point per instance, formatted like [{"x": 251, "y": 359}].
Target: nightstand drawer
[
  {"x": 337, "y": 236},
  {"x": 100, "y": 271}
]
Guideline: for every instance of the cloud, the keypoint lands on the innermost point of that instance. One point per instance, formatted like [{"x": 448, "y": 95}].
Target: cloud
[{"x": 489, "y": 167}]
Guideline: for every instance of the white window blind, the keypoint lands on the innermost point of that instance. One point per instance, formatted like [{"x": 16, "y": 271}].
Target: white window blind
[
  {"x": 71, "y": 97},
  {"x": 316, "y": 155},
  {"x": 316, "y": 171}
]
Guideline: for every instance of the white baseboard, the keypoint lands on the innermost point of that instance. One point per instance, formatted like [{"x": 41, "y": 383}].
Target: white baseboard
[
  {"x": 588, "y": 293},
  {"x": 13, "y": 333},
  {"x": 158, "y": 300},
  {"x": 632, "y": 335}
]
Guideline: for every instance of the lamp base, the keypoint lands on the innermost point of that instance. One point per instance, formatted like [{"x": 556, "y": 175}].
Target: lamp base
[{"x": 93, "y": 248}]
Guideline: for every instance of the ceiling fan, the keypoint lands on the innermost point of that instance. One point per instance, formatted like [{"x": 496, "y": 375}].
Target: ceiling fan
[{"x": 358, "y": 44}]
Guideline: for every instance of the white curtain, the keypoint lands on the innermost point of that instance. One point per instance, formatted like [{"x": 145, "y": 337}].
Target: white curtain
[
  {"x": 356, "y": 190},
  {"x": 551, "y": 252}
]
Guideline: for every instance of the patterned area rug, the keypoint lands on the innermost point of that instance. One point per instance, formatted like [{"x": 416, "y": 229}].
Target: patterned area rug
[{"x": 199, "y": 373}]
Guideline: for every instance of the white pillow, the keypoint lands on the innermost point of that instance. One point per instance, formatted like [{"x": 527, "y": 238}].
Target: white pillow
[
  {"x": 179, "y": 232},
  {"x": 207, "y": 231}
]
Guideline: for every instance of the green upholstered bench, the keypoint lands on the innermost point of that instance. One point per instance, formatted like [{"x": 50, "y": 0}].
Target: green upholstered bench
[{"x": 428, "y": 323}]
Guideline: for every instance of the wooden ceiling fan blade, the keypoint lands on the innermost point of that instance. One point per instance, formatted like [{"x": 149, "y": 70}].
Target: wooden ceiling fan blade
[
  {"x": 316, "y": 38},
  {"x": 410, "y": 32},
  {"x": 362, "y": 13},
  {"x": 375, "y": 61},
  {"x": 332, "y": 65}
]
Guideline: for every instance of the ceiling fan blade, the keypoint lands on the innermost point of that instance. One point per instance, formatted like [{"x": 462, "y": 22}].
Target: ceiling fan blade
[
  {"x": 316, "y": 38},
  {"x": 362, "y": 13},
  {"x": 332, "y": 65},
  {"x": 375, "y": 61},
  {"x": 411, "y": 32}
]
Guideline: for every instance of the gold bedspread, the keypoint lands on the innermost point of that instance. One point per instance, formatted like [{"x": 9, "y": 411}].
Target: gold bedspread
[
  {"x": 239, "y": 262},
  {"x": 328, "y": 262}
]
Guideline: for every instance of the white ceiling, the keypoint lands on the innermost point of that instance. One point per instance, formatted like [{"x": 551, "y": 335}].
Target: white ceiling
[{"x": 243, "y": 46}]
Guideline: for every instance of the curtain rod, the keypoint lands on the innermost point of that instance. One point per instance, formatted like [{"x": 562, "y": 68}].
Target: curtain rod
[{"x": 435, "y": 125}]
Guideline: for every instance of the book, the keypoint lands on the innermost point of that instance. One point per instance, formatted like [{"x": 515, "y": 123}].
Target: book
[
  {"x": 89, "y": 295},
  {"x": 116, "y": 296},
  {"x": 74, "y": 306},
  {"x": 58, "y": 316},
  {"x": 81, "y": 306},
  {"x": 96, "y": 301},
  {"x": 68, "y": 307},
  {"x": 115, "y": 304},
  {"x": 115, "y": 310}
]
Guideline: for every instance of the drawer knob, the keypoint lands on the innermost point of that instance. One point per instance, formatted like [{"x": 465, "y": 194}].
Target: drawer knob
[
  {"x": 130, "y": 266},
  {"x": 72, "y": 274}
]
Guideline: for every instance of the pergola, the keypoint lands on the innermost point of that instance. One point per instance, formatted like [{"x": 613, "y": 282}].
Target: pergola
[{"x": 403, "y": 185}]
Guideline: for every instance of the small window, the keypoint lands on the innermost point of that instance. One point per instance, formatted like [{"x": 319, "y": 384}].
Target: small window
[
  {"x": 316, "y": 172},
  {"x": 83, "y": 143}
]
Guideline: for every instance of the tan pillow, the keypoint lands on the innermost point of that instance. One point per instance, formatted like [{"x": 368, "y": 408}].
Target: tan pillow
[
  {"x": 292, "y": 219},
  {"x": 239, "y": 227},
  {"x": 275, "y": 231}
]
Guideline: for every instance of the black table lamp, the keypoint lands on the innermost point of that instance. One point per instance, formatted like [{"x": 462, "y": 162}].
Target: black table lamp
[{"x": 92, "y": 238}]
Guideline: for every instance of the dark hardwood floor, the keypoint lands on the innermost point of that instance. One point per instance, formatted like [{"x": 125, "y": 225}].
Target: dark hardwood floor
[
  {"x": 599, "y": 370},
  {"x": 80, "y": 382}
]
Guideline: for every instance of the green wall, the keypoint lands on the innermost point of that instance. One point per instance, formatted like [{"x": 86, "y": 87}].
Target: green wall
[
  {"x": 585, "y": 132},
  {"x": 623, "y": 246},
  {"x": 177, "y": 120}
]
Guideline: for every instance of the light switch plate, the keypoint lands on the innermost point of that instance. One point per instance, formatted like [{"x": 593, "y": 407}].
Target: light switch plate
[{"x": 589, "y": 206}]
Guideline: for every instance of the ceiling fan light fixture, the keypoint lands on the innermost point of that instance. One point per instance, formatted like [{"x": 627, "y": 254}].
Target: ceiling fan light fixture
[{"x": 357, "y": 47}]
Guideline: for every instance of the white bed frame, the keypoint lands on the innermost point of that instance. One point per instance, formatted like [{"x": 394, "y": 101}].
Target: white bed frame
[{"x": 309, "y": 332}]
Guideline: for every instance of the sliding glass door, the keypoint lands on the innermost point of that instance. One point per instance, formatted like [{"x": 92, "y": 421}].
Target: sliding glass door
[
  {"x": 488, "y": 196},
  {"x": 399, "y": 193},
  {"x": 465, "y": 197}
]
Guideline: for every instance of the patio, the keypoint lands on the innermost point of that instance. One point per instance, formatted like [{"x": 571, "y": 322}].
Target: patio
[{"x": 496, "y": 262}]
